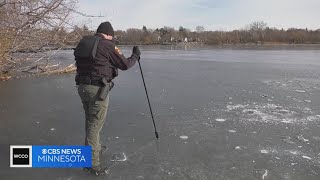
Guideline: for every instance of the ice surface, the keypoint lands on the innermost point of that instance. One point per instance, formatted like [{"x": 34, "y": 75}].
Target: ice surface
[{"x": 266, "y": 118}]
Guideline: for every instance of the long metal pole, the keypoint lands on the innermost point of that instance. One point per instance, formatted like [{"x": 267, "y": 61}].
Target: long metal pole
[{"x": 145, "y": 88}]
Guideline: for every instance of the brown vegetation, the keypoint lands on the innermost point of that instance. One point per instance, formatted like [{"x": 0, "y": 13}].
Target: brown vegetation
[
  {"x": 32, "y": 27},
  {"x": 256, "y": 33}
]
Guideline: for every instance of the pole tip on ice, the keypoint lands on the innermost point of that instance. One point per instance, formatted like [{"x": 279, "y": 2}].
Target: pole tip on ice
[{"x": 157, "y": 135}]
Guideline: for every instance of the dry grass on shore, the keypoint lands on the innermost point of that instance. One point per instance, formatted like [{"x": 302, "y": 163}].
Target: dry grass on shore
[{"x": 69, "y": 69}]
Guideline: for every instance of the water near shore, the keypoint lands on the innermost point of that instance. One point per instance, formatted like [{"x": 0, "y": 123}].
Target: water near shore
[{"x": 221, "y": 114}]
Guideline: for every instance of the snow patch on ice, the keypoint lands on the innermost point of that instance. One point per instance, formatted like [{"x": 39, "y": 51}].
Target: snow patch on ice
[
  {"x": 184, "y": 137},
  {"x": 237, "y": 106},
  {"x": 232, "y": 131},
  {"x": 265, "y": 174},
  {"x": 293, "y": 152},
  {"x": 306, "y": 157},
  {"x": 300, "y": 91},
  {"x": 316, "y": 138},
  {"x": 140, "y": 178},
  {"x": 271, "y": 113},
  {"x": 220, "y": 120},
  {"x": 207, "y": 124},
  {"x": 287, "y": 121},
  {"x": 119, "y": 157},
  {"x": 301, "y": 138}
]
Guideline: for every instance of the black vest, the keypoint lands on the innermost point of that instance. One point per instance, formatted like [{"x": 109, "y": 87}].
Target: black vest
[{"x": 85, "y": 56}]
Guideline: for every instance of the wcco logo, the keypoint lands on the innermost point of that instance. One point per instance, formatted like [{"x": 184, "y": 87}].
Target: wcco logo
[{"x": 20, "y": 156}]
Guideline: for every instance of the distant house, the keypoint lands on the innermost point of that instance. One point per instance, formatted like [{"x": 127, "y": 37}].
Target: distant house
[{"x": 185, "y": 39}]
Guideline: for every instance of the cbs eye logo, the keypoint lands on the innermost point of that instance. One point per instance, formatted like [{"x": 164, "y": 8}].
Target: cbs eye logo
[{"x": 20, "y": 156}]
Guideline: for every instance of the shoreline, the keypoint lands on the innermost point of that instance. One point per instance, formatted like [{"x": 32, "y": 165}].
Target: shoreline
[
  {"x": 5, "y": 76},
  {"x": 248, "y": 46},
  {"x": 193, "y": 44}
]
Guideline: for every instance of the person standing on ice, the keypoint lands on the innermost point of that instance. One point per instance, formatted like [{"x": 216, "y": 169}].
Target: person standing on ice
[{"x": 98, "y": 60}]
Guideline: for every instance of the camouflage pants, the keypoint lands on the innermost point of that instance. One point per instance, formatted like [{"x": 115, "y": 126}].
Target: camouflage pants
[{"x": 96, "y": 112}]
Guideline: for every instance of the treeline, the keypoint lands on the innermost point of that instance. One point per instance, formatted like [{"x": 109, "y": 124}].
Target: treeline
[{"x": 256, "y": 32}]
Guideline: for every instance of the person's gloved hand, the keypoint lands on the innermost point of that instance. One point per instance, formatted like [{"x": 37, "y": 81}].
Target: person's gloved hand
[{"x": 136, "y": 51}]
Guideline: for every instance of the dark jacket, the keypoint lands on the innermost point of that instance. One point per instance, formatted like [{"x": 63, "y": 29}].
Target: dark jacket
[{"x": 107, "y": 61}]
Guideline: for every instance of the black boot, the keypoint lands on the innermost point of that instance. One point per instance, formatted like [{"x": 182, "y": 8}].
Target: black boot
[{"x": 97, "y": 170}]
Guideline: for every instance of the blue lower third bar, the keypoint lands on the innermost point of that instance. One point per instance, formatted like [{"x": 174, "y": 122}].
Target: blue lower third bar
[{"x": 61, "y": 156}]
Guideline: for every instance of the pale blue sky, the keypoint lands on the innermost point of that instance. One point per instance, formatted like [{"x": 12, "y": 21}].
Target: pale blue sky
[{"x": 212, "y": 14}]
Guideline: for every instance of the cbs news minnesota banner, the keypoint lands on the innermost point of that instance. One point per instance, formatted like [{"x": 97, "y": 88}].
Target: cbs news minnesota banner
[{"x": 50, "y": 156}]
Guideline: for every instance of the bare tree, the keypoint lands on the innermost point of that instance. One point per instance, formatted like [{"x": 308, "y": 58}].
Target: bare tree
[
  {"x": 134, "y": 35},
  {"x": 257, "y": 30},
  {"x": 31, "y": 25},
  {"x": 39, "y": 29},
  {"x": 258, "y": 26},
  {"x": 199, "y": 29}
]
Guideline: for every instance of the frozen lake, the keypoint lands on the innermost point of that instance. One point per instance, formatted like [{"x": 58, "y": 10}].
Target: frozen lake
[{"x": 220, "y": 113}]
